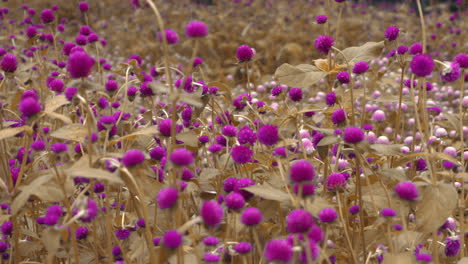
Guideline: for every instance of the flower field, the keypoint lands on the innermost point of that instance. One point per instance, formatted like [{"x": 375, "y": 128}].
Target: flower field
[{"x": 233, "y": 131}]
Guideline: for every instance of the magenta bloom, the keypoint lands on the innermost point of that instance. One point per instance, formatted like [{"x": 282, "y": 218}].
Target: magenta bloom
[
  {"x": 330, "y": 98},
  {"x": 196, "y": 29},
  {"x": 360, "y": 67},
  {"x": 353, "y": 135},
  {"x": 244, "y": 53},
  {"x": 336, "y": 181},
  {"x": 29, "y": 106},
  {"x": 91, "y": 211},
  {"x": 324, "y": 43},
  {"x": 79, "y": 65},
  {"x": 422, "y": 65},
  {"x": 133, "y": 157},
  {"x": 182, "y": 157},
  {"x": 299, "y": 221},
  {"x": 47, "y": 16},
  {"x": 165, "y": 127},
  {"x": 338, "y": 116},
  {"x": 171, "y": 36},
  {"x": 251, "y": 216},
  {"x": 451, "y": 73},
  {"x": 302, "y": 170},
  {"x": 295, "y": 94},
  {"x": 392, "y": 33},
  {"x": 407, "y": 190},
  {"x": 167, "y": 197},
  {"x": 172, "y": 239},
  {"x": 462, "y": 60},
  {"x": 278, "y": 250},
  {"x": 9, "y": 63},
  {"x": 388, "y": 212},
  {"x": 212, "y": 213},
  {"x": 416, "y": 48},
  {"x": 83, "y": 6},
  {"x": 321, "y": 19},
  {"x": 343, "y": 77},
  {"x": 327, "y": 215},
  {"x": 241, "y": 154},
  {"x": 234, "y": 201},
  {"x": 268, "y": 135}
]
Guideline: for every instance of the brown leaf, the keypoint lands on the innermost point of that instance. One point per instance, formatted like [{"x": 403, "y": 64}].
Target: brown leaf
[
  {"x": 394, "y": 174},
  {"x": 366, "y": 52},
  {"x": 60, "y": 117},
  {"x": 51, "y": 240},
  {"x": 27, "y": 191},
  {"x": 75, "y": 132},
  {"x": 300, "y": 76},
  {"x": 10, "y": 132},
  {"x": 387, "y": 150},
  {"x": 328, "y": 140},
  {"x": 55, "y": 102},
  {"x": 268, "y": 192},
  {"x": 317, "y": 205},
  {"x": 463, "y": 261},
  {"x": 92, "y": 173},
  {"x": 436, "y": 204},
  {"x": 189, "y": 138},
  {"x": 147, "y": 131},
  {"x": 392, "y": 258}
]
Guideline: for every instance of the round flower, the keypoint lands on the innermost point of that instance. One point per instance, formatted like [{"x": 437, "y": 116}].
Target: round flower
[
  {"x": 9, "y": 63},
  {"x": 336, "y": 181},
  {"x": 81, "y": 232},
  {"x": 244, "y": 53},
  {"x": 338, "y": 116},
  {"x": 407, "y": 190},
  {"x": 462, "y": 60},
  {"x": 360, "y": 67},
  {"x": 388, "y": 212},
  {"x": 330, "y": 98},
  {"x": 122, "y": 234},
  {"x": 301, "y": 170},
  {"x": 299, "y": 221},
  {"x": 234, "y": 201},
  {"x": 307, "y": 189},
  {"x": 378, "y": 116},
  {"x": 172, "y": 239},
  {"x": 171, "y": 36},
  {"x": 164, "y": 127},
  {"x": 354, "y": 209},
  {"x": 243, "y": 247},
  {"x": 343, "y": 77},
  {"x": 416, "y": 48},
  {"x": 321, "y": 19},
  {"x": 83, "y": 6},
  {"x": 353, "y": 135},
  {"x": 157, "y": 153},
  {"x": 251, "y": 216},
  {"x": 392, "y": 33},
  {"x": 59, "y": 147},
  {"x": 324, "y": 43},
  {"x": 327, "y": 215},
  {"x": 133, "y": 157},
  {"x": 211, "y": 257},
  {"x": 47, "y": 16},
  {"x": 210, "y": 241},
  {"x": 246, "y": 135},
  {"x": 7, "y": 228},
  {"x": 79, "y": 64},
  {"x": 29, "y": 106},
  {"x": 422, "y": 65},
  {"x": 295, "y": 94},
  {"x": 196, "y": 29},
  {"x": 182, "y": 157},
  {"x": 451, "y": 73},
  {"x": 278, "y": 250},
  {"x": 167, "y": 197},
  {"x": 229, "y": 131},
  {"x": 452, "y": 246},
  {"x": 402, "y": 49},
  {"x": 212, "y": 213},
  {"x": 268, "y": 134}
]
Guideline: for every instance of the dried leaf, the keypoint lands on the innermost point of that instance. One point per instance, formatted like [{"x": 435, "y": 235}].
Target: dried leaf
[
  {"x": 147, "y": 131},
  {"x": 268, "y": 192},
  {"x": 60, "y": 117},
  {"x": 392, "y": 258},
  {"x": 55, "y": 102},
  {"x": 189, "y": 138},
  {"x": 436, "y": 204},
  {"x": 394, "y": 174},
  {"x": 463, "y": 261},
  {"x": 51, "y": 240},
  {"x": 92, "y": 173},
  {"x": 75, "y": 132},
  {"x": 300, "y": 76},
  {"x": 27, "y": 191},
  {"x": 10, "y": 132},
  {"x": 328, "y": 140},
  {"x": 366, "y": 52},
  {"x": 387, "y": 150}
]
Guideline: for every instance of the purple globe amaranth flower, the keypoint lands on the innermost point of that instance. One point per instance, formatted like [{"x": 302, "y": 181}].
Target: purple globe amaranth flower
[
  {"x": 157, "y": 153},
  {"x": 182, "y": 157},
  {"x": 452, "y": 246},
  {"x": 81, "y": 232},
  {"x": 133, "y": 157},
  {"x": 324, "y": 43},
  {"x": 243, "y": 247},
  {"x": 59, "y": 147},
  {"x": 299, "y": 221},
  {"x": 451, "y": 73},
  {"x": 327, "y": 215},
  {"x": 268, "y": 134},
  {"x": 246, "y": 136},
  {"x": 422, "y": 65},
  {"x": 234, "y": 201},
  {"x": 212, "y": 213},
  {"x": 211, "y": 257},
  {"x": 83, "y": 6},
  {"x": 336, "y": 181},
  {"x": 424, "y": 257},
  {"x": 343, "y": 77},
  {"x": 122, "y": 234},
  {"x": 47, "y": 16},
  {"x": 278, "y": 250},
  {"x": 353, "y": 135},
  {"x": 171, "y": 36},
  {"x": 295, "y": 94},
  {"x": 167, "y": 197},
  {"x": 462, "y": 60},
  {"x": 407, "y": 190},
  {"x": 392, "y": 33},
  {"x": 330, "y": 98},
  {"x": 241, "y": 154},
  {"x": 229, "y": 131},
  {"x": 164, "y": 127},
  {"x": 314, "y": 249},
  {"x": 306, "y": 188},
  {"x": 79, "y": 65},
  {"x": 197, "y": 61},
  {"x": 354, "y": 209},
  {"x": 301, "y": 171},
  {"x": 360, "y": 67},
  {"x": 91, "y": 211},
  {"x": 196, "y": 29},
  {"x": 244, "y": 53},
  {"x": 29, "y": 106},
  {"x": 7, "y": 228},
  {"x": 172, "y": 239},
  {"x": 9, "y": 63},
  {"x": 416, "y": 48},
  {"x": 388, "y": 212},
  {"x": 251, "y": 216},
  {"x": 321, "y": 19},
  {"x": 402, "y": 49},
  {"x": 338, "y": 116}
]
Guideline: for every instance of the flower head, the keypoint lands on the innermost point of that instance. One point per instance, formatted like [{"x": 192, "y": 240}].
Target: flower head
[
  {"x": 268, "y": 134},
  {"x": 9, "y": 63},
  {"x": 360, "y": 67},
  {"x": 324, "y": 43},
  {"x": 422, "y": 65},
  {"x": 336, "y": 181},
  {"x": 451, "y": 73},
  {"x": 327, "y": 215},
  {"x": 392, "y": 33},
  {"x": 47, "y": 16},
  {"x": 343, "y": 77},
  {"x": 241, "y": 154},
  {"x": 212, "y": 213},
  {"x": 172, "y": 239},
  {"x": 196, "y": 29},
  {"x": 407, "y": 190},
  {"x": 278, "y": 250},
  {"x": 171, "y": 36},
  {"x": 244, "y": 53},
  {"x": 299, "y": 221},
  {"x": 301, "y": 170},
  {"x": 182, "y": 157},
  {"x": 251, "y": 216},
  {"x": 167, "y": 197},
  {"x": 133, "y": 157},
  {"x": 79, "y": 64},
  {"x": 83, "y": 6}
]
